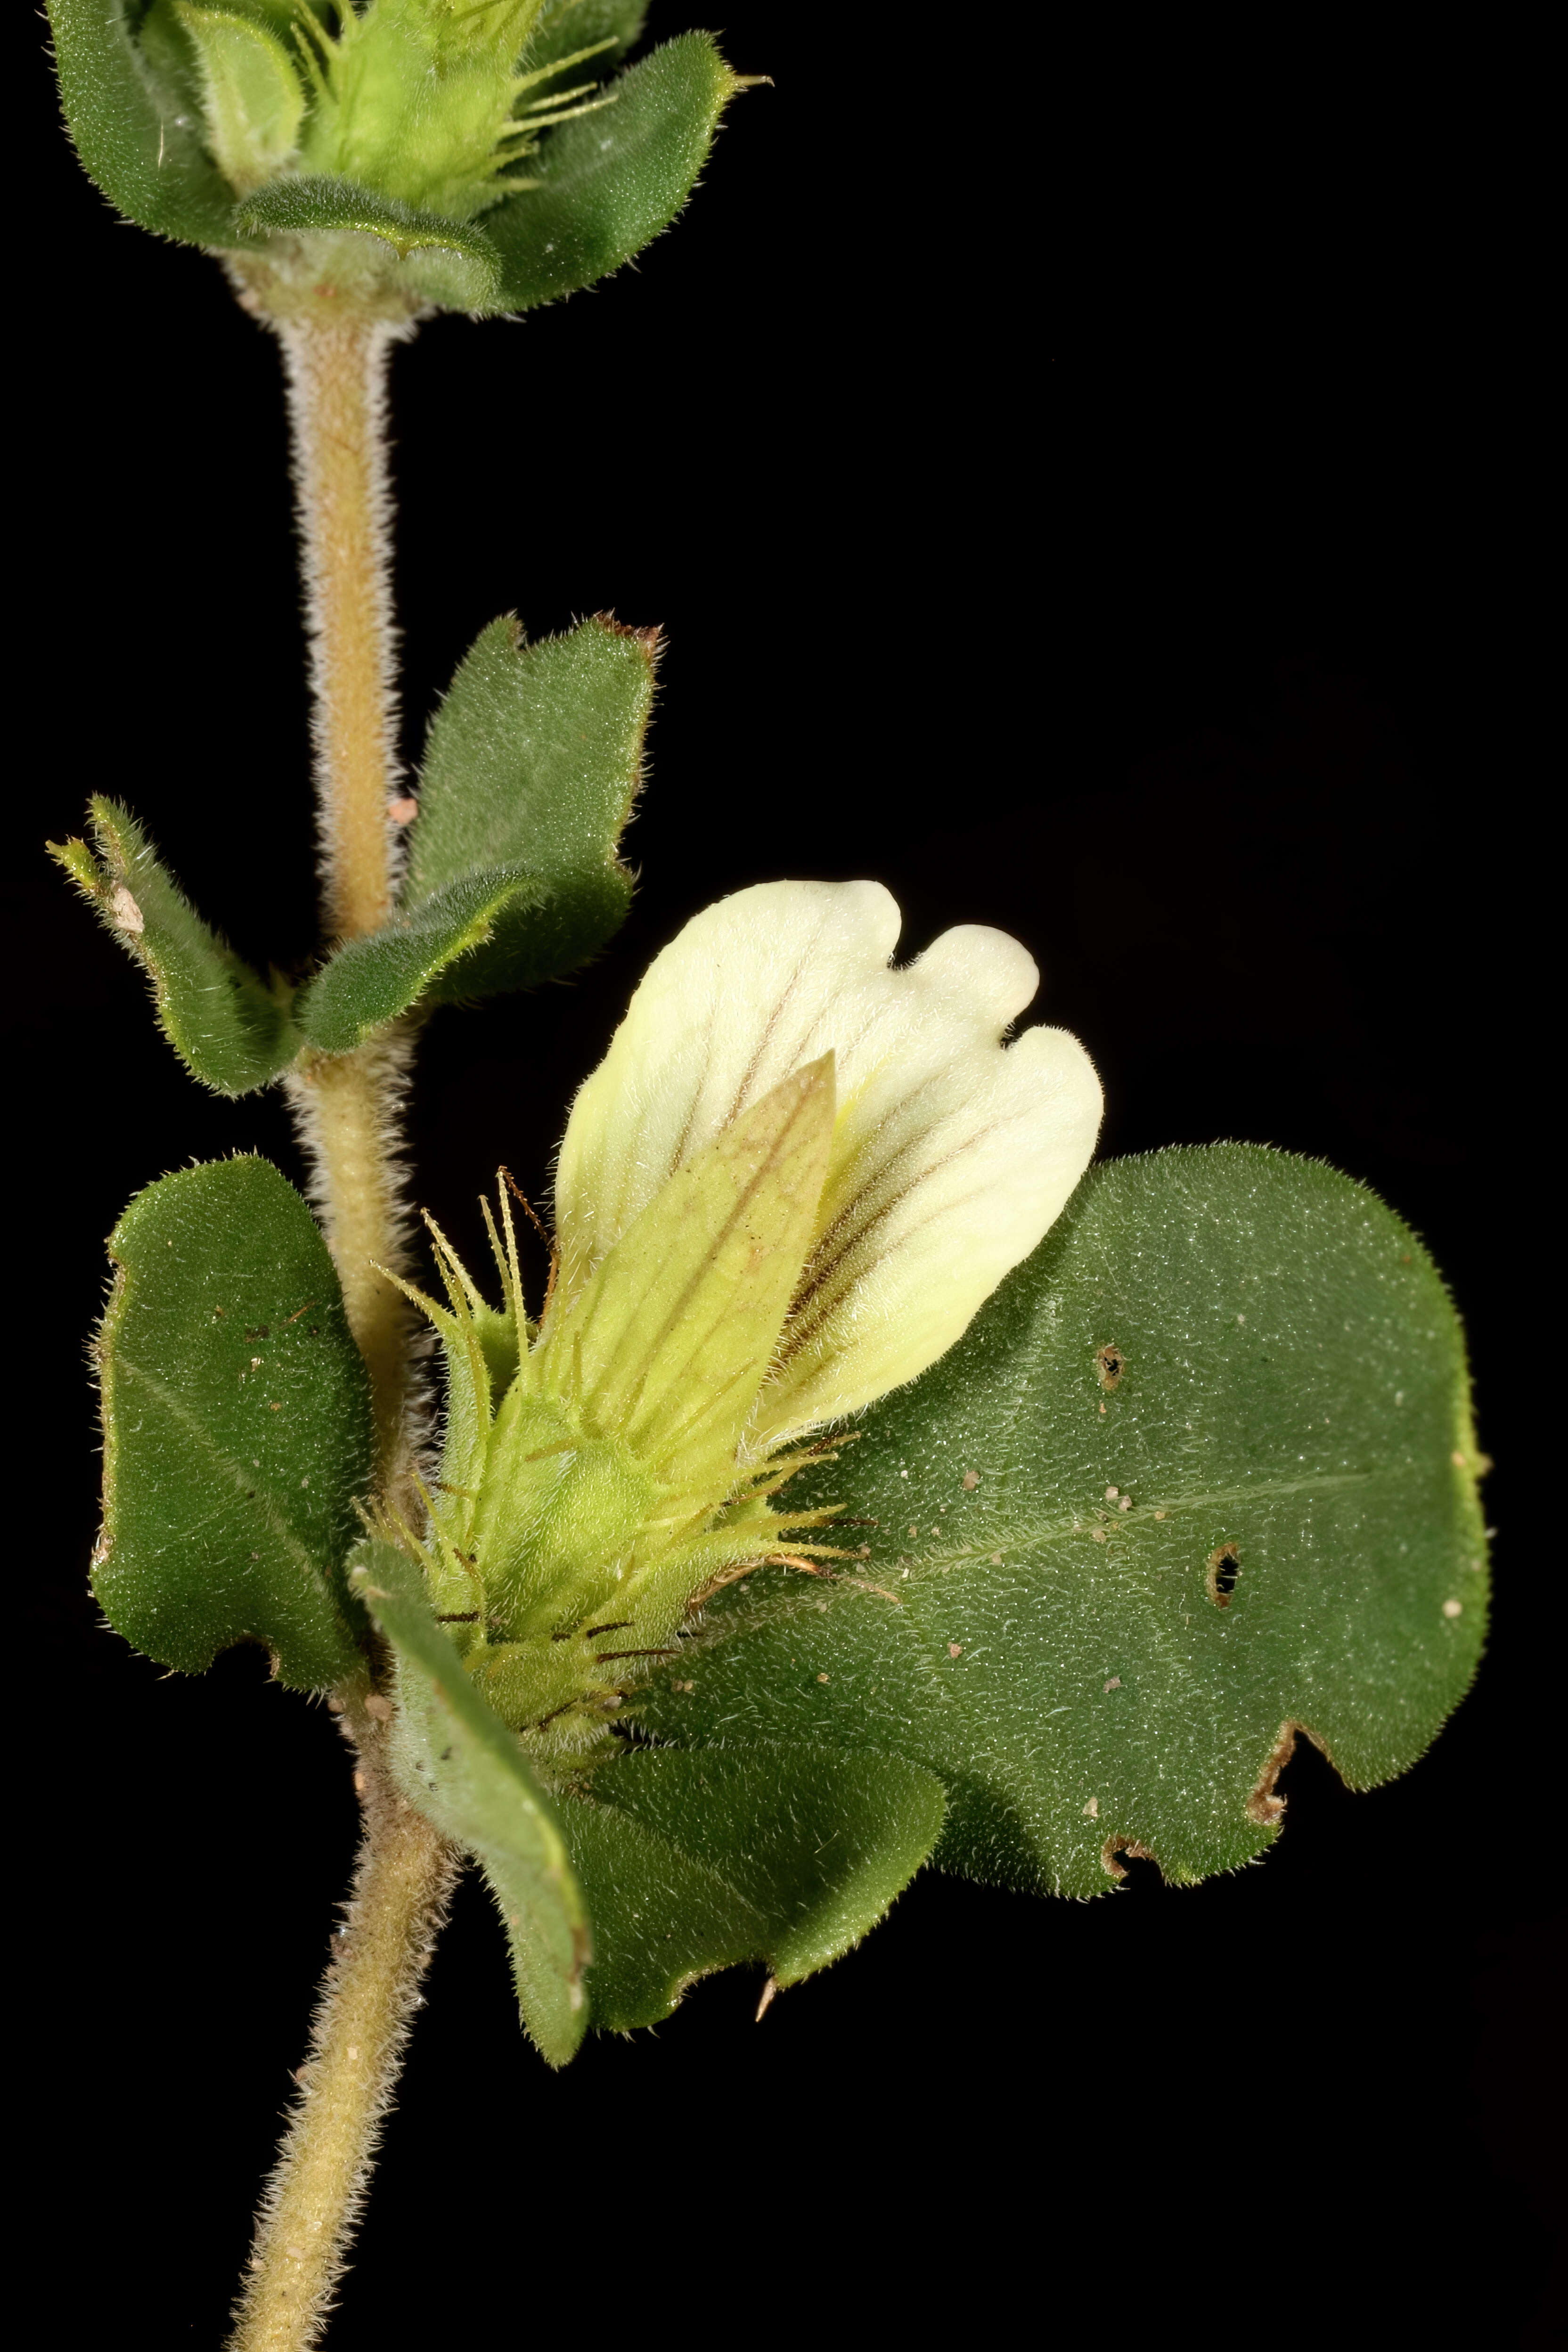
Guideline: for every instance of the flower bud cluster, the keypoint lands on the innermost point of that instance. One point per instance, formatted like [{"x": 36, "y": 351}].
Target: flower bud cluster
[{"x": 432, "y": 103}]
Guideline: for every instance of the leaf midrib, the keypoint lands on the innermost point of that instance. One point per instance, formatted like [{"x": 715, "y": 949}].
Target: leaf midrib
[{"x": 1058, "y": 1530}]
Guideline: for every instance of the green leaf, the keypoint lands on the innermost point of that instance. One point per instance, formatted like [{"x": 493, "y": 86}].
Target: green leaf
[
  {"x": 137, "y": 136},
  {"x": 374, "y": 979},
  {"x": 253, "y": 97},
  {"x": 460, "y": 1765},
  {"x": 236, "y": 1428},
  {"x": 1201, "y": 1476},
  {"x": 456, "y": 259},
  {"x": 696, "y": 1863},
  {"x": 231, "y": 1029},
  {"x": 533, "y": 760},
  {"x": 611, "y": 181}
]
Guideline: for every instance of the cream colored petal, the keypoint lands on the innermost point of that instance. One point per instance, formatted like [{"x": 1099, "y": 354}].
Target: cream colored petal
[
  {"x": 927, "y": 1207},
  {"x": 951, "y": 1154},
  {"x": 753, "y": 990}
]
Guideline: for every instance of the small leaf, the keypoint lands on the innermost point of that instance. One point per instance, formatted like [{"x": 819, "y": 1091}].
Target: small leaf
[
  {"x": 458, "y": 1763},
  {"x": 374, "y": 979},
  {"x": 253, "y": 99},
  {"x": 533, "y": 760},
  {"x": 466, "y": 263},
  {"x": 1199, "y": 1477},
  {"x": 137, "y": 140},
  {"x": 231, "y": 1029},
  {"x": 696, "y": 1862},
  {"x": 236, "y": 1428},
  {"x": 611, "y": 181}
]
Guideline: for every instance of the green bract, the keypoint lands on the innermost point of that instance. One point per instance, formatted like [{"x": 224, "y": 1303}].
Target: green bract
[
  {"x": 400, "y": 154},
  {"x": 463, "y": 1769}
]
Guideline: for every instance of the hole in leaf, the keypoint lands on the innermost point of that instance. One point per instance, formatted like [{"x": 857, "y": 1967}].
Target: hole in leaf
[
  {"x": 1110, "y": 1361},
  {"x": 1224, "y": 1567},
  {"x": 1118, "y": 1851}
]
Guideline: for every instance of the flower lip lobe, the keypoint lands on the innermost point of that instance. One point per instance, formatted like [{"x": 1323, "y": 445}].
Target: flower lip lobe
[{"x": 952, "y": 1154}]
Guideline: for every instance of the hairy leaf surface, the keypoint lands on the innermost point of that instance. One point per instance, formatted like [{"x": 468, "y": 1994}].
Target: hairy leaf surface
[
  {"x": 1200, "y": 1474},
  {"x": 533, "y": 760},
  {"x": 692, "y": 1862},
  {"x": 460, "y": 1765},
  {"x": 138, "y": 135},
  {"x": 231, "y": 1029},
  {"x": 236, "y": 1428},
  {"x": 372, "y": 979},
  {"x": 613, "y": 179}
]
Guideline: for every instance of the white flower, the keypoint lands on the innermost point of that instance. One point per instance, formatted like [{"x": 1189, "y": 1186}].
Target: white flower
[
  {"x": 791, "y": 1183},
  {"x": 951, "y": 1155}
]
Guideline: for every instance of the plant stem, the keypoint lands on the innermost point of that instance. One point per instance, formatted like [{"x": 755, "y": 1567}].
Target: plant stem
[
  {"x": 347, "y": 1104},
  {"x": 347, "y": 1107},
  {"x": 346, "y": 1110},
  {"x": 402, "y": 1883},
  {"x": 337, "y": 399}
]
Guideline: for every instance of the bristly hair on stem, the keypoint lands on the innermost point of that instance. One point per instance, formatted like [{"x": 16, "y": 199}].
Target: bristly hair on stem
[
  {"x": 346, "y": 1109},
  {"x": 403, "y": 1882}
]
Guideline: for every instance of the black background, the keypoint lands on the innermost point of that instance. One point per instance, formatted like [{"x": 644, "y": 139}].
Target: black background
[{"x": 1074, "y": 479}]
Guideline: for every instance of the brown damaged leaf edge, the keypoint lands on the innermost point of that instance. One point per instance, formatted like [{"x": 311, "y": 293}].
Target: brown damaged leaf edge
[{"x": 1263, "y": 1806}]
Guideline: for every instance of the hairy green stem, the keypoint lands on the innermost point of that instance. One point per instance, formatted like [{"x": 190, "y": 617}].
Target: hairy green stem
[
  {"x": 347, "y": 1109},
  {"x": 402, "y": 1880}
]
